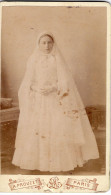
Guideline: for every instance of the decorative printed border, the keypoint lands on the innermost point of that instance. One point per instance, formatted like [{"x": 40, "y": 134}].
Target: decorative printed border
[{"x": 54, "y": 183}]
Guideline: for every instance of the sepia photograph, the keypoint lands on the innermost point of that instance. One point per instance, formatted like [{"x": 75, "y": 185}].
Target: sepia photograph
[{"x": 53, "y": 90}]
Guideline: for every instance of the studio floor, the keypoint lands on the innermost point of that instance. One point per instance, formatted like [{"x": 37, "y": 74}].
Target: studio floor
[{"x": 92, "y": 167}]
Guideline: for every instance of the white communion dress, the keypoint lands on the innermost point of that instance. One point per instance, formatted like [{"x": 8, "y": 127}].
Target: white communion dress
[{"x": 54, "y": 133}]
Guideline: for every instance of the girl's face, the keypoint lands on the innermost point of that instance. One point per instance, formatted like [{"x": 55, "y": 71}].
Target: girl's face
[{"x": 46, "y": 44}]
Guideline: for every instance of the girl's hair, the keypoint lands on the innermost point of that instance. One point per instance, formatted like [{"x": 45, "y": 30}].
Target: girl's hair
[{"x": 46, "y": 35}]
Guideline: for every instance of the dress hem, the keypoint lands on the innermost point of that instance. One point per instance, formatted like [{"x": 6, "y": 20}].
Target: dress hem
[{"x": 56, "y": 170}]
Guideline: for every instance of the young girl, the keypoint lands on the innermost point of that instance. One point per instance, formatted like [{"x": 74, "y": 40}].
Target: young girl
[{"x": 54, "y": 133}]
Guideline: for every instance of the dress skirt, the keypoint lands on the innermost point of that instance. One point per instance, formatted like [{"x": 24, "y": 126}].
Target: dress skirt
[{"x": 51, "y": 140}]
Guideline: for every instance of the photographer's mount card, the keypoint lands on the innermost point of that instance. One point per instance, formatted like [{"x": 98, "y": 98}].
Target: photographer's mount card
[{"x": 55, "y": 97}]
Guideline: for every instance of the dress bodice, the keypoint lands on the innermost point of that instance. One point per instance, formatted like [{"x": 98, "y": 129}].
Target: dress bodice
[{"x": 46, "y": 72}]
